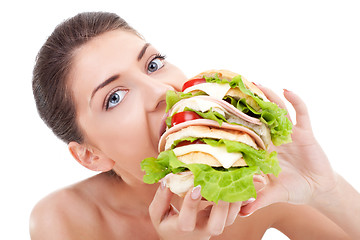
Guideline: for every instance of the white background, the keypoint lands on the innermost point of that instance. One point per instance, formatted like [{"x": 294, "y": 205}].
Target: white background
[{"x": 309, "y": 47}]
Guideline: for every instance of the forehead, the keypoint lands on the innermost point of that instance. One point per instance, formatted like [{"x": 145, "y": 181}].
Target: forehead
[
  {"x": 118, "y": 39},
  {"x": 104, "y": 55},
  {"x": 108, "y": 46}
]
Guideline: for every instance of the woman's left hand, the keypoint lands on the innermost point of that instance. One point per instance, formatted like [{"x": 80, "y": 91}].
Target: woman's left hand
[
  {"x": 192, "y": 221},
  {"x": 306, "y": 171}
]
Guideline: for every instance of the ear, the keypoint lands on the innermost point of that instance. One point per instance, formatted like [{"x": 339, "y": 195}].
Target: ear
[{"x": 93, "y": 160}]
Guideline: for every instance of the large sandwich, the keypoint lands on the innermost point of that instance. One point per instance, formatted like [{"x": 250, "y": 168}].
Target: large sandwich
[{"x": 218, "y": 132}]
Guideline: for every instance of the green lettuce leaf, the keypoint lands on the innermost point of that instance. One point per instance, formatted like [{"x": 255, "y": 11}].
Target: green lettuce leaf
[
  {"x": 231, "y": 185},
  {"x": 190, "y": 139},
  {"x": 216, "y": 79},
  {"x": 271, "y": 114},
  {"x": 172, "y": 97},
  {"x": 210, "y": 114},
  {"x": 243, "y": 106},
  {"x": 157, "y": 168},
  {"x": 267, "y": 162}
]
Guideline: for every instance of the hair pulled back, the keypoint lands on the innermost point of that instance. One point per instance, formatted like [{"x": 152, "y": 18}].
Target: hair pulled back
[{"x": 54, "y": 100}]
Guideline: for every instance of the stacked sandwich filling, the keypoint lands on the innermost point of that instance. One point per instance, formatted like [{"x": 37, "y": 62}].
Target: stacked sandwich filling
[{"x": 219, "y": 129}]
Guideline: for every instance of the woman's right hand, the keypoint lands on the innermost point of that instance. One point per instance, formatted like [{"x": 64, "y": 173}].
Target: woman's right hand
[{"x": 192, "y": 221}]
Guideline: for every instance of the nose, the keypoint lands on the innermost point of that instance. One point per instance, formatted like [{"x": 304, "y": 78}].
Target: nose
[{"x": 154, "y": 91}]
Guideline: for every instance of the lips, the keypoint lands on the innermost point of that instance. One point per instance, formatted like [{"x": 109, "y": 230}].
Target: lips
[{"x": 163, "y": 124}]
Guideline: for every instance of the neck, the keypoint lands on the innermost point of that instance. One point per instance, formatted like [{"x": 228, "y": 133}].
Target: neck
[
  {"x": 131, "y": 191},
  {"x": 139, "y": 195}
]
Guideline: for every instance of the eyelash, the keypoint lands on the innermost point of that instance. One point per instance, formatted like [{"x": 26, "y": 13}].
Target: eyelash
[
  {"x": 106, "y": 102},
  {"x": 160, "y": 56},
  {"x": 157, "y": 56}
]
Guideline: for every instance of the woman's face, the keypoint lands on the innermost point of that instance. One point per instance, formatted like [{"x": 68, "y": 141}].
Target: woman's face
[{"x": 119, "y": 84}]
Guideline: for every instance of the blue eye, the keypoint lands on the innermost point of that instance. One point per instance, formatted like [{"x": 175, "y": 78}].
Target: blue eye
[
  {"x": 115, "y": 98},
  {"x": 156, "y": 64}
]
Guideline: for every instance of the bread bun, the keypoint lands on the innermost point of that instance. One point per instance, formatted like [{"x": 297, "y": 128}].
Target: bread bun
[
  {"x": 229, "y": 75},
  {"x": 210, "y": 132}
]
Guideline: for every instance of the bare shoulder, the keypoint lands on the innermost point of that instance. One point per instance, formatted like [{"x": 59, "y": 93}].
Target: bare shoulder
[
  {"x": 304, "y": 222},
  {"x": 68, "y": 213},
  {"x": 101, "y": 207}
]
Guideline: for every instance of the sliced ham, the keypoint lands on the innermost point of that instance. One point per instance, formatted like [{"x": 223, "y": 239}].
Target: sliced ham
[
  {"x": 210, "y": 132},
  {"x": 252, "y": 123},
  {"x": 209, "y": 123},
  {"x": 227, "y": 106}
]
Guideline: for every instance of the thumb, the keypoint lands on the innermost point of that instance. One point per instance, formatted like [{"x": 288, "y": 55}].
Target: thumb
[{"x": 265, "y": 197}]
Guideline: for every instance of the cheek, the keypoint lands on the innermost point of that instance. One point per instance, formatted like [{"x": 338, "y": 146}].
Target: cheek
[{"x": 123, "y": 135}]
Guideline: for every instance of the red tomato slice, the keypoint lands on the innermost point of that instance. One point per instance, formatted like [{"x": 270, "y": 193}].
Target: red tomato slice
[
  {"x": 184, "y": 143},
  {"x": 193, "y": 82},
  {"x": 183, "y": 117}
]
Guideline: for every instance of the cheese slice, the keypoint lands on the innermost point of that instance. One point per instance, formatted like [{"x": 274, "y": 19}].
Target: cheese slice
[
  {"x": 215, "y": 90},
  {"x": 225, "y": 158},
  {"x": 208, "y": 132},
  {"x": 197, "y": 104}
]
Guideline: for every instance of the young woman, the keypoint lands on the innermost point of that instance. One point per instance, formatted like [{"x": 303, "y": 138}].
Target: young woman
[{"x": 101, "y": 88}]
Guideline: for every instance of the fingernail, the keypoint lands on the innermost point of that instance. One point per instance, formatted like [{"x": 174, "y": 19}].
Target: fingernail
[
  {"x": 196, "y": 192},
  {"x": 250, "y": 200},
  {"x": 247, "y": 215},
  {"x": 162, "y": 185},
  {"x": 257, "y": 84},
  {"x": 285, "y": 90}
]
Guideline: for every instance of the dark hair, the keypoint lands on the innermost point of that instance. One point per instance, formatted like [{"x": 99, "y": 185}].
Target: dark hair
[{"x": 54, "y": 101}]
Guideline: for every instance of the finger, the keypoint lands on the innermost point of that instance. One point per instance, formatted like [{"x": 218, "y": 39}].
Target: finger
[
  {"x": 302, "y": 115},
  {"x": 160, "y": 206},
  {"x": 189, "y": 210},
  {"x": 218, "y": 216},
  {"x": 272, "y": 96},
  {"x": 203, "y": 216},
  {"x": 260, "y": 181},
  {"x": 234, "y": 210},
  {"x": 264, "y": 198}
]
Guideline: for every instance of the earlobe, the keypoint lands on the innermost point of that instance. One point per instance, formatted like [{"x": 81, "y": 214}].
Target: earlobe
[{"x": 87, "y": 157}]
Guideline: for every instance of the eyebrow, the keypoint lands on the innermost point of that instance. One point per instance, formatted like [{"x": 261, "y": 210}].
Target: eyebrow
[
  {"x": 113, "y": 78},
  {"x": 143, "y": 50},
  {"x": 103, "y": 84}
]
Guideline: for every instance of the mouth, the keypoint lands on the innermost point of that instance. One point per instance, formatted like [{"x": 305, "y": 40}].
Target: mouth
[{"x": 163, "y": 124}]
